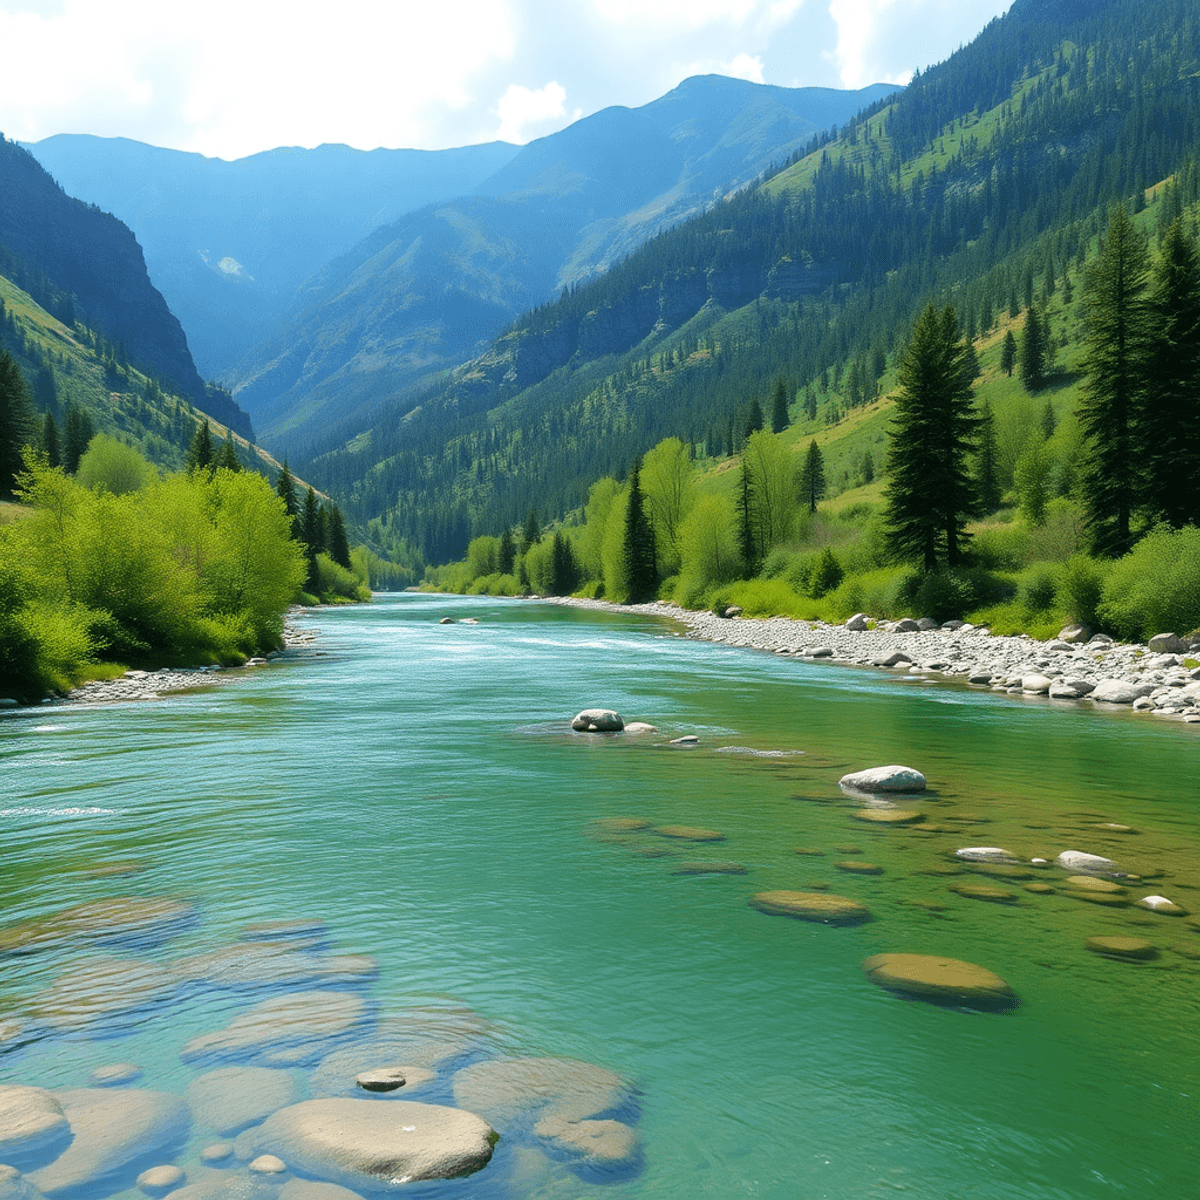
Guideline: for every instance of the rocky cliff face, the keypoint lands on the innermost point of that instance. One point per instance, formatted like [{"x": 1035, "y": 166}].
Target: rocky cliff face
[{"x": 95, "y": 262}]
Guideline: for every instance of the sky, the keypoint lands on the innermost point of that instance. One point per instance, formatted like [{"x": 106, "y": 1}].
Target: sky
[{"x": 228, "y": 78}]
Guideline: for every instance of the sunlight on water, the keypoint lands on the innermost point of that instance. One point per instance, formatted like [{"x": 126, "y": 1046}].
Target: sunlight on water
[{"x": 449, "y": 857}]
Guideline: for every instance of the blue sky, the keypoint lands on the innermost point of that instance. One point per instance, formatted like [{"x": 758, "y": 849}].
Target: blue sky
[{"x": 232, "y": 77}]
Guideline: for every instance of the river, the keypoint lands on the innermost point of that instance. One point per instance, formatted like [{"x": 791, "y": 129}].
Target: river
[{"x": 416, "y": 787}]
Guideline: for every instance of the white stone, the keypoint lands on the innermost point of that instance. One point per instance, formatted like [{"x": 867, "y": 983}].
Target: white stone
[
  {"x": 1074, "y": 634},
  {"x": 1036, "y": 685},
  {"x": 1166, "y": 643},
  {"x": 31, "y": 1118},
  {"x": 268, "y": 1164},
  {"x": 157, "y": 1181},
  {"x": 884, "y": 779},
  {"x": 229, "y": 1099},
  {"x": 1160, "y": 904},
  {"x": 996, "y": 854},
  {"x": 1115, "y": 691},
  {"x": 1079, "y": 863},
  {"x": 598, "y": 720}
]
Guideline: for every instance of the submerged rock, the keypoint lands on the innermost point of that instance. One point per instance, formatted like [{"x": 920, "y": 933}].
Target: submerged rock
[
  {"x": 135, "y": 920},
  {"x": 517, "y": 1092},
  {"x": 818, "y": 907},
  {"x": 1163, "y": 906},
  {"x": 710, "y": 868},
  {"x": 636, "y": 727},
  {"x": 598, "y": 720},
  {"x": 366, "y": 1144},
  {"x": 983, "y": 891},
  {"x": 940, "y": 980},
  {"x": 381, "y": 1079},
  {"x": 1130, "y": 948},
  {"x": 855, "y": 867},
  {"x": 114, "y": 1133},
  {"x": 105, "y": 992},
  {"x": 889, "y": 816},
  {"x": 689, "y": 833},
  {"x": 604, "y": 1144},
  {"x": 985, "y": 854},
  {"x": 256, "y": 964},
  {"x": 158, "y": 1181},
  {"x": 229, "y": 1099},
  {"x": 31, "y": 1120},
  {"x": 884, "y": 779},
  {"x": 115, "y": 1075},
  {"x": 621, "y": 825}
]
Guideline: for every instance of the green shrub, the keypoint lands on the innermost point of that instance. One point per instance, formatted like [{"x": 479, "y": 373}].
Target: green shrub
[
  {"x": 1080, "y": 589},
  {"x": 874, "y": 592},
  {"x": 1001, "y": 547},
  {"x": 1155, "y": 588},
  {"x": 768, "y": 598},
  {"x": 1039, "y": 587},
  {"x": 826, "y": 574}
]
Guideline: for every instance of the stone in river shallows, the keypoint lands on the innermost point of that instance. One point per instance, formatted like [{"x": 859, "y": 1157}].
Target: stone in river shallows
[
  {"x": 1035, "y": 684},
  {"x": 710, "y": 868},
  {"x": 13, "y": 1186},
  {"x": 640, "y": 727},
  {"x": 1086, "y": 864},
  {"x": 1115, "y": 691},
  {"x": 889, "y": 816},
  {"x": 884, "y": 779},
  {"x": 941, "y": 980},
  {"x": 857, "y": 867},
  {"x": 1131, "y": 948},
  {"x": 114, "y": 1131},
  {"x": 267, "y": 1164},
  {"x": 621, "y": 824},
  {"x": 368, "y": 1144},
  {"x": 381, "y": 1079},
  {"x": 983, "y": 891},
  {"x": 157, "y": 1181},
  {"x": 517, "y": 1092},
  {"x": 985, "y": 854},
  {"x": 606, "y": 1144},
  {"x": 689, "y": 833},
  {"x": 820, "y": 907},
  {"x": 1160, "y": 904},
  {"x": 115, "y": 1075},
  {"x": 31, "y": 1119},
  {"x": 598, "y": 720},
  {"x": 229, "y": 1099}
]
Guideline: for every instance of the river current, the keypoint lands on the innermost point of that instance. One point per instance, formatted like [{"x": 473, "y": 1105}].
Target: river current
[{"x": 417, "y": 788}]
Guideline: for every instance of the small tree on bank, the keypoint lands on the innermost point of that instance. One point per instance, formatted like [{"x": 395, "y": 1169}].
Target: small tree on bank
[
  {"x": 641, "y": 574},
  {"x": 812, "y": 477}
]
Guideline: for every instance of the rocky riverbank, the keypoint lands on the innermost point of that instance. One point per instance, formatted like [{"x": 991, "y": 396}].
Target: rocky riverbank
[
  {"x": 150, "y": 685},
  {"x": 1162, "y": 678}
]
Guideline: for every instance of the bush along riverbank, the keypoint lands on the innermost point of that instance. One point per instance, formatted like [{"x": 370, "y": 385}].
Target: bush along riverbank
[{"x": 1161, "y": 677}]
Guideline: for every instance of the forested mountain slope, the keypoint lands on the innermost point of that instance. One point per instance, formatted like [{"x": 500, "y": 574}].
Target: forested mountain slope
[
  {"x": 84, "y": 265},
  {"x": 424, "y": 293},
  {"x": 228, "y": 243},
  {"x": 988, "y": 175}
]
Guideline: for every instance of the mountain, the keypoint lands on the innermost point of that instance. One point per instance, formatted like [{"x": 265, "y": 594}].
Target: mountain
[
  {"x": 84, "y": 265},
  {"x": 985, "y": 183},
  {"x": 228, "y": 243},
  {"x": 422, "y": 294}
]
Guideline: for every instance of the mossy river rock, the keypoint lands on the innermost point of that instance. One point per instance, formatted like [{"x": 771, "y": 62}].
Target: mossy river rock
[
  {"x": 889, "y": 816},
  {"x": 689, "y": 833},
  {"x": 939, "y": 980},
  {"x": 1131, "y": 949},
  {"x": 820, "y": 907}
]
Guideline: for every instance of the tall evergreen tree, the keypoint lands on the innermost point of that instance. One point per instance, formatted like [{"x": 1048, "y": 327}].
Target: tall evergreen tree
[
  {"x": 1008, "y": 354},
  {"x": 531, "y": 533},
  {"x": 746, "y": 538},
  {"x": 779, "y": 407},
  {"x": 1033, "y": 351},
  {"x": 310, "y": 535},
  {"x": 79, "y": 432},
  {"x": 563, "y": 566},
  {"x": 812, "y": 477},
  {"x": 641, "y": 573},
  {"x": 336, "y": 541},
  {"x": 285, "y": 489},
  {"x": 930, "y": 492},
  {"x": 1169, "y": 424},
  {"x": 51, "y": 441},
  {"x": 754, "y": 418},
  {"x": 1116, "y": 336},
  {"x": 200, "y": 452},
  {"x": 227, "y": 459},
  {"x": 17, "y": 429},
  {"x": 507, "y": 554},
  {"x": 987, "y": 472}
]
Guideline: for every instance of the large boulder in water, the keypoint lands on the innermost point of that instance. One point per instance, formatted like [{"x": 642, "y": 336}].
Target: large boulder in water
[
  {"x": 939, "y": 980},
  {"x": 372, "y": 1145},
  {"x": 598, "y": 720},
  {"x": 229, "y": 1099},
  {"x": 31, "y": 1120},
  {"x": 1080, "y": 863},
  {"x": 820, "y": 907},
  {"x": 516, "y": 1092},
  {"x": 884, "y": 779}
]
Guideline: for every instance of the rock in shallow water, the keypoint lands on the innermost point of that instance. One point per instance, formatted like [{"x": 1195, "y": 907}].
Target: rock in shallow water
[
  {"x": 1130, "y": 948},
  {"x": 229, "y": 1099},
  {"x": 1086, "y": 864},
  {"x": 939, "y": 980},
  {"x": 884, "y": 779},
  {"x": 819, "y": 907},
  {"x": 379, "y": 1146},
  {"x": 889, "y": 816},
  {"x": 517, "y": 1092},
  {"x": 598, "y": 720},
  {"x": 31, "y": 1120},
  {"x": 689, "y": 833}
]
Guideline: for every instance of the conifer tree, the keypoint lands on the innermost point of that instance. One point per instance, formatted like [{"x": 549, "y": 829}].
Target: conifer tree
[
  {"x": 337, "y": 544},
  {"x": 200, "y": 452},
  {"x": 51, "y": 442},
  {"x": 754, "y": 419},
  {"x": 285, "y": 489},
  {"x": 1008, "y": 354},
  {"x": 1116, "y": 335},
  {"x": 1169, "y": 424},
  {"x": 531, "y": 533},
  {"x": 930, "y": 492},
  {"x": 79, "y": 432},
  {"x": 812, "y": 477},
  {"x": 1049, "y": 420},
  {"x": 779, "y": 407},
  {"x": 1033, "y": 351},
  {"x": 17, "y": 429},
  {"x": 987, "y": 473},
  {"x": 746, "y": 539},
  {"x": 641, "y": 573},
  {"x": 227, "y": 459},
  {"x": 310, "y": 535},
  {"x": 507, "y": 554},
  {"x": 563, "y": 566}
]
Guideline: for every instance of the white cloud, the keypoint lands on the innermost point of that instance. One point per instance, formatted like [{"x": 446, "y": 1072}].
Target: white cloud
[
  {"x": 692, "y": 14},
  {"x": 522, "y": 106},
  {"x": 745, "y": 66}
]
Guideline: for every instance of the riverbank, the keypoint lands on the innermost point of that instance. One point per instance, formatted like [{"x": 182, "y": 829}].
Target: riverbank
[
  {"x": 1098, "y": 672},
  {"x": 150, "y": 685}
]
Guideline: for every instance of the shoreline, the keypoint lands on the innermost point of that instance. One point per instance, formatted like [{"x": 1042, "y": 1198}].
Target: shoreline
[
  {"x": 1099, "y": 673},
  {"x": 152, "y": 685}
]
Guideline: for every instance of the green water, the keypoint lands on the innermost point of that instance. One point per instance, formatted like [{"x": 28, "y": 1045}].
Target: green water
[{"x": 416, "y": 787}]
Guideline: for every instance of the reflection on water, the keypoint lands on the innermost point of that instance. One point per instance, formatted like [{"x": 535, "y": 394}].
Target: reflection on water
[{"x": 390, "y": 855}]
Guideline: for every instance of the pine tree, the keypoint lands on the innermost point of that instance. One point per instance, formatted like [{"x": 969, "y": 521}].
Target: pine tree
[
  {"x": 987, "y": 473},
  {"x": 563, "y": 566},
  {"x": 310, "y": 535},
  {"x": 1008, "y": 354},
  {"x": 812, "y": 477},
  {"x": 227, "y": 459},
  {"x": 79, "y": 433},
  {"x": 1169, "y": 424},
  {"x": 747, "y": 541},
  {"x": 779, "y": 407},
  {"x": 754, "y": 419},
  {"x": 507, "y": 555},
  {"x": 930, "y": 493},
  {"x": 641, "y": 574},
  {"x": 1033, "y": 351},
  {"x": 339, "y": 547},
  {"x": 51, "y": 442},
  {"x": 1049, "y": 421},
  {"x": 200, "y": 452},
  {"x": 17, "y": 429},
  {"x": 1116, "y": 336},
  {"x": 531, "y": 534},
  {"x": 285, "y": 489}
]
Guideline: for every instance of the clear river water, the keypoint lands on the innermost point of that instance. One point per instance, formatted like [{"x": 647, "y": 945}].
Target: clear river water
[{"x": 417, "y": 787}]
